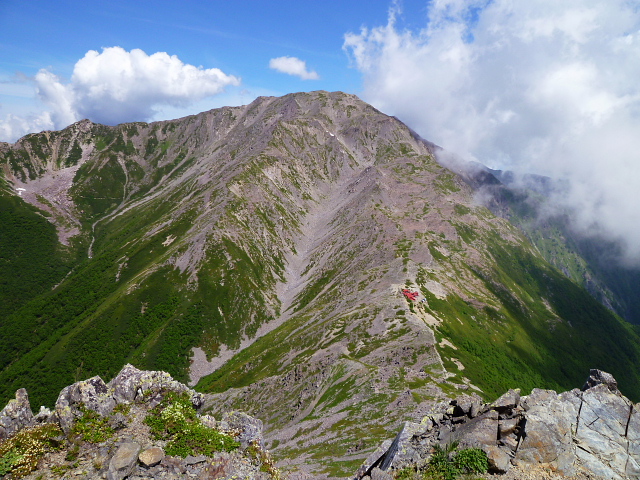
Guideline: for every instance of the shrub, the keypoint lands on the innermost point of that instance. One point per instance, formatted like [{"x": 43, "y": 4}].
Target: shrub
[
  {"x": 264, "y": 459},
  {"x": 19, "y": 454},
  {"x": 471, "y": 460},
  {"x": 175, "y": 420},
  {"x": 448, "y": 464},
  {"x": 440, "y": 464},
  {"x": 91, "y": 427}
]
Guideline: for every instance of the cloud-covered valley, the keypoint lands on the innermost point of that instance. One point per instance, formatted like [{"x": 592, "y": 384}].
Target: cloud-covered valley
[{"x": 537, "y": 86}]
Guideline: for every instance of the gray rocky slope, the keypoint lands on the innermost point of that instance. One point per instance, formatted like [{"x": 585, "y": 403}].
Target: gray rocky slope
[
  {"x": 588, "y": 433},
  {"x": 592, "y": 432},
  {"x": 99, "y": 431}
]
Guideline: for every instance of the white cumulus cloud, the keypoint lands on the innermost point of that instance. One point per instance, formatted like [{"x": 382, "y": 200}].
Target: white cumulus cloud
[
  {"x": 536, "y": 85},
  {"x": 15, "y": 126},
  {"x": 293, "y": 66},
  {"x": 115, "y": 86}
]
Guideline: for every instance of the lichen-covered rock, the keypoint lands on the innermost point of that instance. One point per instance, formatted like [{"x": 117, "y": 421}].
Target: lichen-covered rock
[
  {"x": 91, "y": 394},
  {"x": 499, "y": 459},
  {"x": 480, "y": 431},
  {"x": 377, "y": 474},
  {"x": 602, "y": 430},
  {"x": 507, "y": 401},
  {"x": 373, "y": 459},
  {"x": 549, "y": 427},
  {"x": 45, "y": 415},
  {"x": 132, "y": 384},
  {"x": 16, "y": 415},
  {"x": 118, "y": 454},
  {"x": 249, "y": 429}
]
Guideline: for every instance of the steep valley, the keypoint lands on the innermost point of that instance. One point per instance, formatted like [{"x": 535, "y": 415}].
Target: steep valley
[{"x": 277, "y": 238}]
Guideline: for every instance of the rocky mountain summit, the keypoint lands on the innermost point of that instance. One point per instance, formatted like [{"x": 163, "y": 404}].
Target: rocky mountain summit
[
  {"x": 587, "y": 433},
  {"x": 142, "y": 424}
]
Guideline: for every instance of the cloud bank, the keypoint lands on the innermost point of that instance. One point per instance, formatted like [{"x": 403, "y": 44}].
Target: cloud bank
[
  {"x": 117, "y": 86},
  {"x": 293, "y": 66},
  {"x": 533, "y": 85}
]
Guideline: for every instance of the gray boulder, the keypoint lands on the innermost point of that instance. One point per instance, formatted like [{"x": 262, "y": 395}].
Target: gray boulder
[
  {"x": 123, "y": 461},
  {"x": 151, "y": 457},
  {"x": 92, "y": 394},
  {"x": 248, "y": 427},
  {"x": 499, "y": 459},
  {"x": 507, "y": 401},
  {"x": 373, "y": 459},
  {"x": 550, "y": 422},
  {"x": 16, "y": 415},
  {"x": 598, "y": 377},
  {"x": 480, "y": 431},
  {"x": 602, "y": 431},
  {"x": 377, "y": 474}
]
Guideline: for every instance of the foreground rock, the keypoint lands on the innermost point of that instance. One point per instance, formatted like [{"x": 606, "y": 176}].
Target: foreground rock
[
  {"x": 588, "y": 433},
  {"x": 98, "y": 431}
]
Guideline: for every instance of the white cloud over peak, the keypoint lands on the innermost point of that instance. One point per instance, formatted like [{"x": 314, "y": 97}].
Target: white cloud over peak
[
  {"x": 293, "y": 66},
  {"x": 537, "y": 85},
  {"x": 15, "y": 126},
  {"x": 117, "y": 86}
]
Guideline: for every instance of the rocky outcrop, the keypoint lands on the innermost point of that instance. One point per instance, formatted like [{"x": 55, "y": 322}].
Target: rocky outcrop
[
  {"x": 16, "y": 415},
  {"x": 595, "y": 430},
  {"x": 99, "y": 430}
]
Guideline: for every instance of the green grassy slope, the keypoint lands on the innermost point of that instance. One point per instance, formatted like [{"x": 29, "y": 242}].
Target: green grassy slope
[{"x": 591, "y": 261}]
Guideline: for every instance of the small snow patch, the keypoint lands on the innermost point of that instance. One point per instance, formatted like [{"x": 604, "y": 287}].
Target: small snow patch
[
  {"x": 20, "y": 190},
  {"x": 458, "y": 364},
  {"x": 446, "y": 343},
  {"x": 168, "y": 241}
]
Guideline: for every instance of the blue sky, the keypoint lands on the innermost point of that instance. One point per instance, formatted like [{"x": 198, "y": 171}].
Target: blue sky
[
  {"x": 238, "y": 37},
  {"x": 533, "y": 85}
]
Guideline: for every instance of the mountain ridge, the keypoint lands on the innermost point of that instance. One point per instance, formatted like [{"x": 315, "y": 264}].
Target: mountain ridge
[{"x": 277, "y": 238}]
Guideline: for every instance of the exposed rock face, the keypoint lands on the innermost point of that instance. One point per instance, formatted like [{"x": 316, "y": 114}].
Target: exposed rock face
[
  {"x": 16, "y": 415},
  {"x": 595, "y": 430},
  {"x": 130, "y": 451},
  {"x": 250, "y": 428},
  {"x": 131, "y": 383},
  {"x": 92, "y": 394},
  {"x": 597, "y": 377}
]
